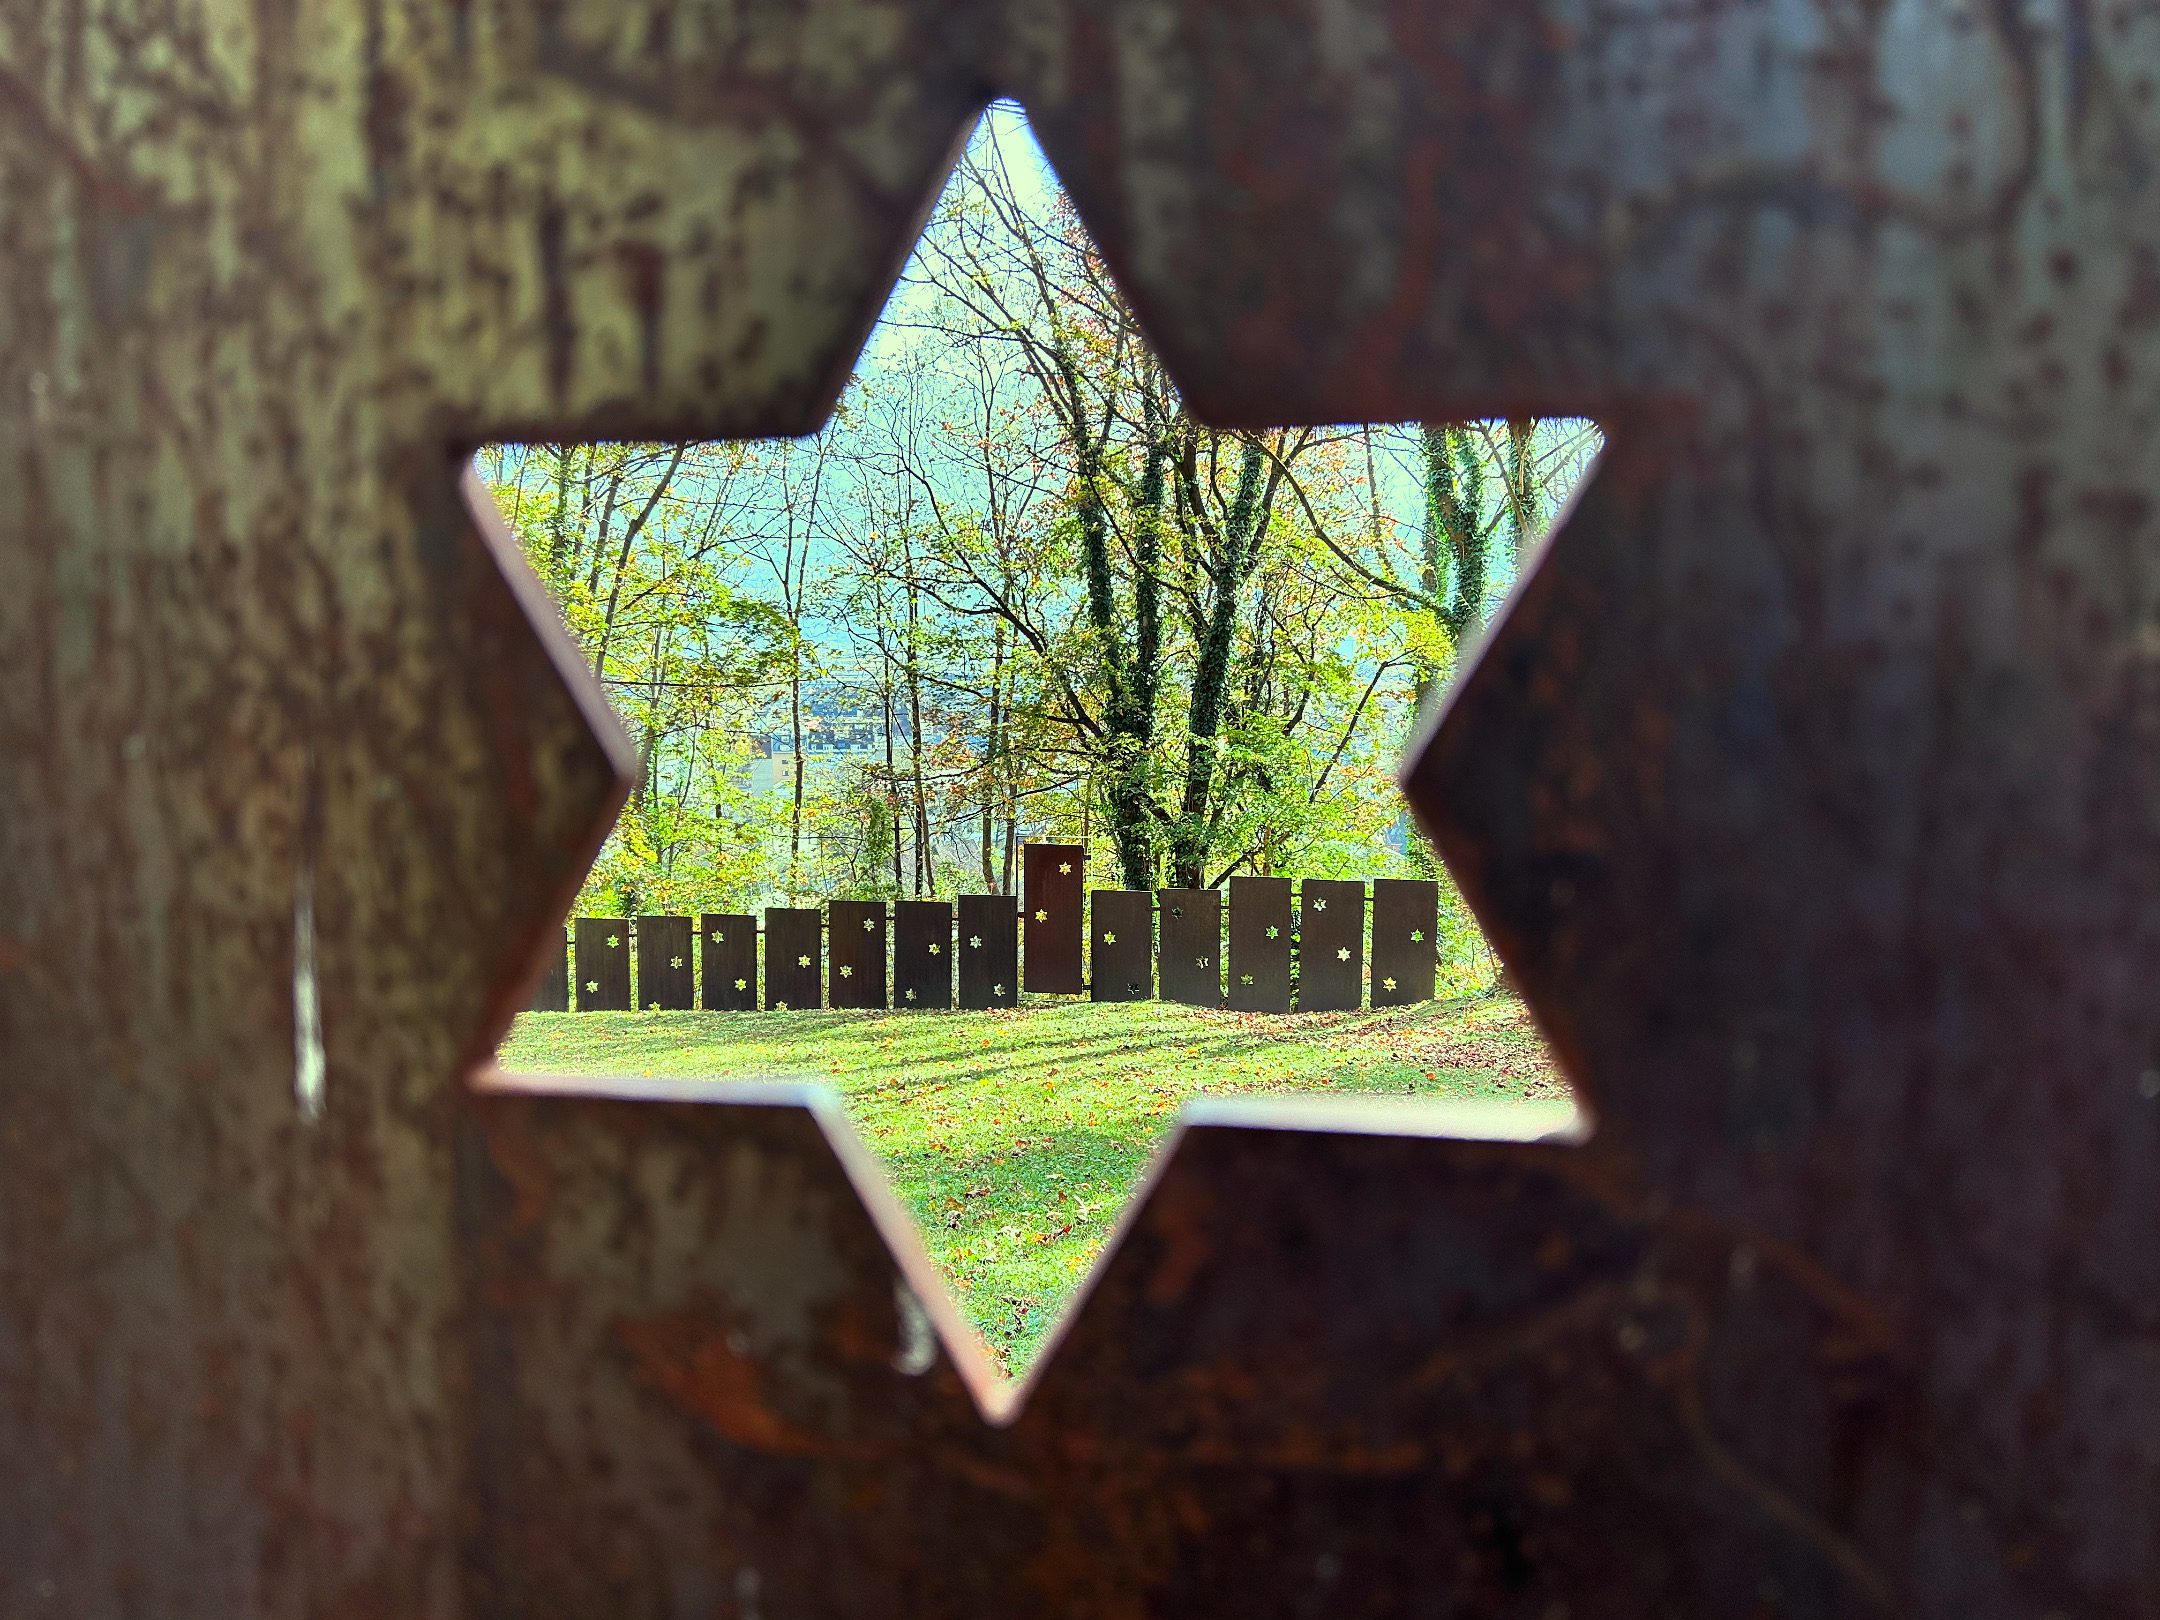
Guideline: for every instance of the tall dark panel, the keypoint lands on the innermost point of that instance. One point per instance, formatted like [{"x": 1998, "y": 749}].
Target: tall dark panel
[
  {"x": 1405, "y": 940},
  {"x": 1331, "y": 946},
  {"x": 855, "y": 957},
  {"x": 1051, "y": 879},
  {"x": 1188, "y": 925},
  {"x": 989, "y": 951},
  {"x": 603, "y": 964},
  {"x": 666, "y": 976},
  {"x": 793, "y": 949},
  {"x": 923, "y": 955},
  {"x": 1121, "y": 945},
  {"x": 1260, "y": 944},
  {"x": 552, "y": 993},
  {"x": 727, "y": 952}
]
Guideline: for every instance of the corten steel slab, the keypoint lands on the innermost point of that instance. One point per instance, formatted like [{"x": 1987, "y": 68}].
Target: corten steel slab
[
  {"x": 552, "y": 994},
  {"x": 794, "y": 957},
  {"x": 1121, "y": 945},
  {"x": 728, "y": 962},
  {"x": 1405, "y": 940},
  {"x": 1330, "y": 945},
  {"x": 1260, "y": 944},
  {"x": 1052, "y": 876},
  {"x": 923, "y": 955},
  {"x": 988, "y": 947},
  {"x": 666, "y": 965},
  {"x": 1802, "y": 786},
  {"x": 602, "y": 956},
  {"x": 855, "y": 960},
  {"x": 1188, "y": 948}
]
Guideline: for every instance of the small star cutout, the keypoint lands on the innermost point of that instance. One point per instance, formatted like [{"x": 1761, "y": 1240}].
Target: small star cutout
[
  {"x": 997, "y": 989},
  {"x": 937, "y": 950},
  {"x": 1065, "y": 866},
  {"x": 911, "y": 995},
  {"x": 1244, "y": 978},
  {"x": 802, "y": 961},
  {"x": 1390, "y": 983},
  {"x": 1417, "y": 936},
  {"x": 1319, "y": 905},
  {"x": 975, "y": 942},
  {"x": 742, "y": 984},
  {"x": 652, "y": 1006},
  {"x": 674, "y": 961},
  {"x": 1342, "y": 953},
  {"x": 1200, "y": 961},
  {"x": 846, "y": 972},
  {"x": 1109, "y": 939},
  {"x": 1042, "y": 916},
  {"x": 779, "y": 1006},
  {"x": 1274, "y": 933},
  {"x": 592, "y": 987},
  {"x": 613, "y": 940},
  {"x": 718, "y": 938},
  {"x": 869, "y": 925}
]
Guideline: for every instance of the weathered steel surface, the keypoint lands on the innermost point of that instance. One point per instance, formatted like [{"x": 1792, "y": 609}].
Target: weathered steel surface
[
  {"x": 1121, "y": 945},
  {"x": 727, "y": 962},
  {"x": 988, "y": 949},
  {"x": 794, "y": 956},
  {"x": 666, "y": 965},
  {"x": 1188, "y": 950},
  {"x": 1260, "y": 944},
  {"x": 602, "y": 955},
  {"x": 1330, "y": 945},
  {"x": 1807, "y": 788},
  {"x": 855, "y": 958},
  {"x": 1405, "y": 940},
  {"x": 923, "y": 955},
  {"x": 1052, "y": 876},
  {"x": 552, "y": 993}
]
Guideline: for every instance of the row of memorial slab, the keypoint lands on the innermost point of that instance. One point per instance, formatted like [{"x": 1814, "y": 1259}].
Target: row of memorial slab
[{"x": 1288, "y": 942}]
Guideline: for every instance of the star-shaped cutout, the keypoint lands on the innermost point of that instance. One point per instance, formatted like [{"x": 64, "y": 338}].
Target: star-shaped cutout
[
  {"x": 975, "y": 943},
  {"x": 802, "y": 961},
  {"x": 1244, "y": 978},
  {"x": 1389, "y": 983},
  {"x": 1319, "y": 904},
  {"x": 1417, "y": 936},
  {"x": 911, "y": 995},
  {"x": 869, "y": 925},
  {"x": 1342, "y": 953},
  {"x": 780, "y": 1006},
  {"x": 997, "y": 989},
  {"x": 592, "y": 987},
  {"x": 1042, "y": 916},
  {"x": 1274, "y": 933},
  {"x": 1065, "y": 866},
  {"x": 613, "y": 940},
  {"x": 937, "y": 950},
  {"x": 1200, "y": 961},
  {"x": 652, "y": 1006},
  {"x": 742, "y": 984},
  {"x": 675, "y": 962},
  {"x": 846, "y": 972},
  {"x": 1109, "y": 939}
]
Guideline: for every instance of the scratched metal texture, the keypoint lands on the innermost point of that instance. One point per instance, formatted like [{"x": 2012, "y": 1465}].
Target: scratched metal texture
[{"x": 1808, "y": 788}]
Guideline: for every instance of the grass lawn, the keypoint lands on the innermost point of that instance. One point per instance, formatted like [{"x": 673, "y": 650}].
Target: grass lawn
[{"x": 1015, "y": 1137}]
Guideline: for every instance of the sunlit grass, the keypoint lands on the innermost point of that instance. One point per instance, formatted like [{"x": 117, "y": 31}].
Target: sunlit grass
[{"x": 1014, "y": 1138}]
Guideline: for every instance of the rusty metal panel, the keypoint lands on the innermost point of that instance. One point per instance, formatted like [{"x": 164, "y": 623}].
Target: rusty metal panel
[
  {"x": 1188, "y": 933},
  {"x": 794, "y": 957},
  {"x": 855, "y": 962},
  {"x": 923, "y": 955},
  {"x": 1260, "y": 944},
  {"x": 602, "y": 951},
  {"x": 988, "y": 947},
  {"x": 1121, "y": 945},
  {"x": 1052, "y": 879},
  {"x": 728, "y": 961},
  {"x": 666, "y": 965},
  {"x": 1405, "y": 940},
  {"x": 1331, "y": 946},
  {"x": 552, "y": 993}
]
